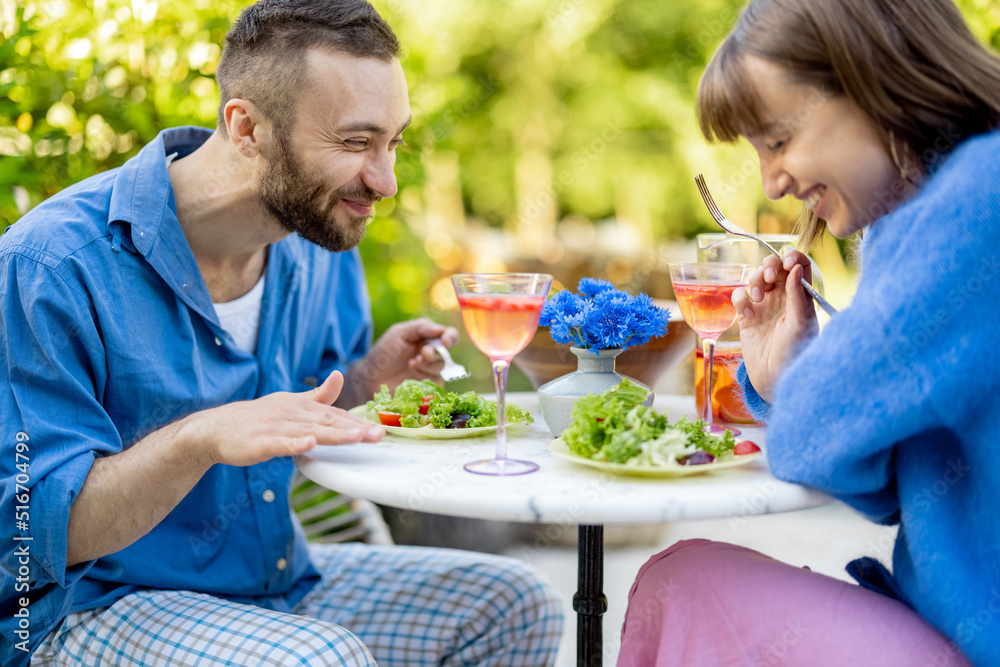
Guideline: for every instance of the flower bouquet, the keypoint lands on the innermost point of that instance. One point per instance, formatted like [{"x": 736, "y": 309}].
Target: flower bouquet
[
  {"x": 600, "y": 317},
  {"x": 600, "y": 322}
]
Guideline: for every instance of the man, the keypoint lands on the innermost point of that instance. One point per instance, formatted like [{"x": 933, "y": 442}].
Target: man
[{"x": 161, "y": 327}]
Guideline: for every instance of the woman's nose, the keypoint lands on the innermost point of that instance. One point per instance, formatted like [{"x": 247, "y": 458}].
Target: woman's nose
[{"x": 777, "y": 182}]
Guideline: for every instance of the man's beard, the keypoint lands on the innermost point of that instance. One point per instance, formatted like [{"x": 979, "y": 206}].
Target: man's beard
[{"x": 303, "y": 204}]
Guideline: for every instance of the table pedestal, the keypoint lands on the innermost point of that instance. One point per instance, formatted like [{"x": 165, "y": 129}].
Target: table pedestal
[{"x": 589, "y": 602}]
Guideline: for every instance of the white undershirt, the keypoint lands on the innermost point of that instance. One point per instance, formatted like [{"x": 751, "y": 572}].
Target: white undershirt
[{"x": 241, "y": 318}]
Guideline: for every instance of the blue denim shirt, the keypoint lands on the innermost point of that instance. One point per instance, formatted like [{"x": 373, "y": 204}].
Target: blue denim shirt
[{"x": 107, "y": 333}]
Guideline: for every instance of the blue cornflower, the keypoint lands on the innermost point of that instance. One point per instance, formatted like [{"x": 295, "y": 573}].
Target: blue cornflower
[
  {"x": 593, "y": 286},
  {"x": 650, "y": 321},
  {"x": 577, "y": 325},
  {"x": 563, "y": 314},
  {"x": 610, "y": 323},
  {"x": 601, "y": 317},
  {"x": 608, "y": 295},
  {"x": 561, "y": 304}
]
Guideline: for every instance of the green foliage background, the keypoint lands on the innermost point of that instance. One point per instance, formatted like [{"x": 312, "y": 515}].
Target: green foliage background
[{"x": 602, "y": 90}]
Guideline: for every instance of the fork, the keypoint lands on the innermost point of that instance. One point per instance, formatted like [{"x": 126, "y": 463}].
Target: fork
[
  {"x": 451, "y": 370},
  {"x": 731, "y": 228}
]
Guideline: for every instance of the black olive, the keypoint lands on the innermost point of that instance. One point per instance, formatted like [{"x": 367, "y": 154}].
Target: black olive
[
  {"x": 459, "y": 420},
  {"x": 698, "y": 458}
]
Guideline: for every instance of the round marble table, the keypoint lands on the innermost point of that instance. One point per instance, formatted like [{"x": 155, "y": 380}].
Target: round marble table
[{"x": 427, "y": 476}]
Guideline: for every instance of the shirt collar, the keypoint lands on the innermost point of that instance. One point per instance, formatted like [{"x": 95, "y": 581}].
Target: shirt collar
[
  {"x": 143, "y": 216},
  {"x": 142, "y": 193},
  {"x": 143, "y": 200}
]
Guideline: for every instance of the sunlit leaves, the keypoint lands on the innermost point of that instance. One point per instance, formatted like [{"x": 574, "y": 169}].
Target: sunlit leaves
[
  {"x": 85, "y": 84},
  {"x": 594, "y": 97}
]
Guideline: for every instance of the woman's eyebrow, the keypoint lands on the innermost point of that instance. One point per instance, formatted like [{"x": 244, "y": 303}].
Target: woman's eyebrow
[{"x": 764, "y": 128}]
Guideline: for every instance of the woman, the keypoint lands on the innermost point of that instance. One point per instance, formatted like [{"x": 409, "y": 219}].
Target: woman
[{"x": 882, "y": 117}]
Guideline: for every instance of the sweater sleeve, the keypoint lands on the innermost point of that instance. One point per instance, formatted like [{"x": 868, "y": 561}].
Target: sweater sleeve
[
  {"x": 895, "y": 364},
  {"x": 758, "y": 407}
]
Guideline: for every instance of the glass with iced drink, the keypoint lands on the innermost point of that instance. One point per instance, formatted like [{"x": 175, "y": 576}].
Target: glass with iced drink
[{"x": 727, "y": 405}]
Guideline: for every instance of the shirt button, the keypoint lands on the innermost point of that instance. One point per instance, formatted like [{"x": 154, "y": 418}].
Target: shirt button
[
  {"x": 282, "y": 563},
  {"x": 268, "y": 496},
  {"x": 217, "y": 341}
]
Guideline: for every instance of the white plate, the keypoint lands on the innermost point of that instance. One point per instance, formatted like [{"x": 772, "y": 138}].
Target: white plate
[
  {"x": 560, "y": 449},
  {"x": 425, "y": 433}
]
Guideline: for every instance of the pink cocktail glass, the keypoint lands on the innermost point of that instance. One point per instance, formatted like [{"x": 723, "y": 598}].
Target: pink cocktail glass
[
  {"x": 500, "y": 312},
  {"x": 704, "y": 292}
]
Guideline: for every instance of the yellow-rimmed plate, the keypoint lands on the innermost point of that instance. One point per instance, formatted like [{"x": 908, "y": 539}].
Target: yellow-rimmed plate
[
  {"x": 559, "y": 448},
  {"x": 425, "y": 433}
]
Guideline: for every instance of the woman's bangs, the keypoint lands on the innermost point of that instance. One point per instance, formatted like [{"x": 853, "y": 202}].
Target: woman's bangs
[{"x": 727, "y": 104}]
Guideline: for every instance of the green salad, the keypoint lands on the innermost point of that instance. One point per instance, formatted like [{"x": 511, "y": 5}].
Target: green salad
[
  {"x": 615, "y": 427},
  {"x": 423, "y": 404}
]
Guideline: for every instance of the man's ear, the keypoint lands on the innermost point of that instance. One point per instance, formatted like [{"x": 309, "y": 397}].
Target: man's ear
[{"x": 249, "y": 131}]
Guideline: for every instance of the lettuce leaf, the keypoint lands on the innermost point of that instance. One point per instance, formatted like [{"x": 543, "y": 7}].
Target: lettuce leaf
[
  {"x": 613, "y": 426},
  {"x": 409, "y": 396},
  {"x": 701, "y": 439},
  {"x": 597, "y": 418}
]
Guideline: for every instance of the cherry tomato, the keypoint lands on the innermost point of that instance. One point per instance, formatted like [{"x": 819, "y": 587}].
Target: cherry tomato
[
  {"x": 390, "y": 418},
  {"x": 746, "y": 447},
  {"x": 425, "y": 406}
]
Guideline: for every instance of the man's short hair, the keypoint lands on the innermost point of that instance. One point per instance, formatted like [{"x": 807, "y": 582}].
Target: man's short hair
[{"x": 264, "y": 57}]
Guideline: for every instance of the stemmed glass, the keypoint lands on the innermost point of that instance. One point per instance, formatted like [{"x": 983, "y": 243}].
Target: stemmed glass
[
  {"x": 704, "y": 292},
  {"x": 500, "y": 312}
]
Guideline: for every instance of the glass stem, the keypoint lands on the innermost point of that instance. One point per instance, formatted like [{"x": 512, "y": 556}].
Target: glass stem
[
  {"x": 708, "y": 352},
  {"x": 500, "y": 380}
]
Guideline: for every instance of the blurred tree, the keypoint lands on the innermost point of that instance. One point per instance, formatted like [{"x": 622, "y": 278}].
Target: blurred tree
[
  {"x": 85, "y": 85},
  {"x": 526, "y": 113}
]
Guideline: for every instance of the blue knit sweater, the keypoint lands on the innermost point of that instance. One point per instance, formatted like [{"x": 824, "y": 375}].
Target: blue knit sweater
[{"x": 891, "y": 409}]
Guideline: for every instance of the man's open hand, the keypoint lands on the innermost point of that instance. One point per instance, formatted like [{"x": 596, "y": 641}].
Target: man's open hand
[{"x": 280, "y": 424}]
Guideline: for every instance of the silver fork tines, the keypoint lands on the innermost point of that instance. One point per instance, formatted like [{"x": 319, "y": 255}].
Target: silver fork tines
[
  {"x": 731, "y": 228},
  {"x": 451, "y": 370}
]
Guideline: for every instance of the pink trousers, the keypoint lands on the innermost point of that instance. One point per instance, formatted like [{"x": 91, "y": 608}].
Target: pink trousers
[{"x": 702, "y": 603}]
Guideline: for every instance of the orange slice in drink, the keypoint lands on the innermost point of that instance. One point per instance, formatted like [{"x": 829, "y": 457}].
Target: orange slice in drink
[{"x": 731, "y": 408}]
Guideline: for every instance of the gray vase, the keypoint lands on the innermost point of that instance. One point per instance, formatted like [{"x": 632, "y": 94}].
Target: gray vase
[{"x": 595, "y": 373}]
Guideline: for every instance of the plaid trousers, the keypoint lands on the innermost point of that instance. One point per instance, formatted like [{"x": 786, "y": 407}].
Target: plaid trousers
[{"x": 391, "y": 606}]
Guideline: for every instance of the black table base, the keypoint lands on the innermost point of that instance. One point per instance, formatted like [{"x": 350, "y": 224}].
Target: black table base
[{"x": 589, "y": 602}]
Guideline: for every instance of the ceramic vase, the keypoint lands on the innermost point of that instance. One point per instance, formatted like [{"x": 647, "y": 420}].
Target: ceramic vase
[{"x": 595, "y": 373}]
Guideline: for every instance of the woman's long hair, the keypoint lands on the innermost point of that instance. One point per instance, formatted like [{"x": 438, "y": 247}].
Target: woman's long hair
[{"x": 912, "y": 66}]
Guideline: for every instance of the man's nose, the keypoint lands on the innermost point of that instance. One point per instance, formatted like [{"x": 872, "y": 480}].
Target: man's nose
[{"x": 379, "y": 175}]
